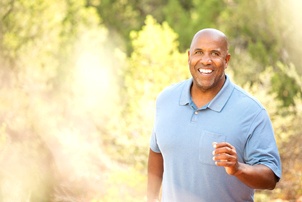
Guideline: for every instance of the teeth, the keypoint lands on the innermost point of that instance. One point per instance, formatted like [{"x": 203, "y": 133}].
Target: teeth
[{"x": 206, "y": 71}]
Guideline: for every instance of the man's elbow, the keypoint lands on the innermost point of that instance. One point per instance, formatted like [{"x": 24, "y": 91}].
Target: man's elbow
[
  {"x": 272, "y": 186},
  {"x": 274, "y": 182}
]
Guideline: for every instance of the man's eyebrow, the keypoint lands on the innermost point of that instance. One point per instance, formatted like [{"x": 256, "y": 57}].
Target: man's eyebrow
[
  {"x": 216, "y": 50},
  {"x": 213, "y": 50}
]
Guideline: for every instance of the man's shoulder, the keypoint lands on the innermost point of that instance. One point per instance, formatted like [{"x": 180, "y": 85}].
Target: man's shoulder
[
  {"x": 247, "y": 98},
  {"x": 173, "y": 92},
  {"x": 175, "y": 88}
]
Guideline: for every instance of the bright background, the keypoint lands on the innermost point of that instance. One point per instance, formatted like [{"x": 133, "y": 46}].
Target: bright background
[{"x": 78, "y": 82}]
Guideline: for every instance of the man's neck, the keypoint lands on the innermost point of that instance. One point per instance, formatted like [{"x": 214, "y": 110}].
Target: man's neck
[{"x": 201, "y": 97}]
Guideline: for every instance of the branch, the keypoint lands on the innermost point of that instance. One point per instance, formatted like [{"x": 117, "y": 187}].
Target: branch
[{"x": 12, "y": 3}]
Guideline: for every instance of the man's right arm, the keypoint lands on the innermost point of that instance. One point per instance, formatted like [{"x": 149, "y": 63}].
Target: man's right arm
[{"x": 155, "y": 175}]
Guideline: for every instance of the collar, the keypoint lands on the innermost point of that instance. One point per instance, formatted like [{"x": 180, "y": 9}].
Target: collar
[{"x": 217, "y": 103}]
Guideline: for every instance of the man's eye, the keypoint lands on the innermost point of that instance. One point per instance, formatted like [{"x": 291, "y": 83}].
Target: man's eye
[
  {"x": 215, "y": 54},
  {"x": 198, "y": 52}
]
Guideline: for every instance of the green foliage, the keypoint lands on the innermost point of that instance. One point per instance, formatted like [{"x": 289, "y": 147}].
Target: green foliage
[
  {"x": 286, "y": 83},
  {"x": 123, "y": 16},
  {"x": 178, "y": 17},
  {"x": 154, "y": 64},
  {"x": 268, "y": 36}
]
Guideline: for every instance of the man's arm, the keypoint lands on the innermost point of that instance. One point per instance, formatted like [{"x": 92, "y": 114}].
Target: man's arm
[
  {"x": 155, "y": 175},
  {"x": 256, "y": 177}
]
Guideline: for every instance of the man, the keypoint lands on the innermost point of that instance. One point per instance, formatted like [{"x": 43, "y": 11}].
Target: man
[{"x": 211, "y": 140}]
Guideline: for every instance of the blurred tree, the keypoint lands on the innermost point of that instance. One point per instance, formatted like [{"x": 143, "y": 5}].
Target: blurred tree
[
  {"x": 286, "y": 83},
  {"x": 123, "y": 16},
  {"x": 38, "y": 42},
  {"x": 178, "y": 16},
  {"x": 200, "y": 15},
  {"x": 262, "y": 42},
  {"x": 154, "y": 64},
  {"x": 259, "y": 38}
]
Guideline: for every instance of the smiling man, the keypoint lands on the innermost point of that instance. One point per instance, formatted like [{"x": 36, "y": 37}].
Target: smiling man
[
  {"x": 211, "y": 141},
  {"x": 208, "y": 57}
]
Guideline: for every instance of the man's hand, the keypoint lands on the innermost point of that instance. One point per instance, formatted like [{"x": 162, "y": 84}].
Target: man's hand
[
  {"x": 255, "y": 176},
  {"x": 225, "y": 155}
]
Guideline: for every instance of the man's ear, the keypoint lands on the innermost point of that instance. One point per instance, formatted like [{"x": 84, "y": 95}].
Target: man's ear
[
  {"x": 188, "y": 56},
  {"x": 227, "y": 58}
]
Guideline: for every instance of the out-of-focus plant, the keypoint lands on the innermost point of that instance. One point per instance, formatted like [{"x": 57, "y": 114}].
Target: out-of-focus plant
[
  {"x": 154, "y": 64},
  {"x": 54, "y": 75}
]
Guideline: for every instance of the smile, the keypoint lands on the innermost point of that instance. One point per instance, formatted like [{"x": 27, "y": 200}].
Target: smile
[{"x": 205, "y": 71}]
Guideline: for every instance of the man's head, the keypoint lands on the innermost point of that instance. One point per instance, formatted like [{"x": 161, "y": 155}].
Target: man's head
[{"x": 208, "y": 58}]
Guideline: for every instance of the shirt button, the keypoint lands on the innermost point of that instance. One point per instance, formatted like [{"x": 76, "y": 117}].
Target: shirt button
[{"x": 196, "y": 112}]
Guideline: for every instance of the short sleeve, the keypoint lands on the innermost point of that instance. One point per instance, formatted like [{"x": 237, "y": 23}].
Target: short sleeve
[
  {"x": 153, "y": 143},
  {"x": 261, "y": 147}
]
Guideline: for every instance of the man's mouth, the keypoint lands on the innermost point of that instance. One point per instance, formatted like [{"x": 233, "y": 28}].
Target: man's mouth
[{"x": 205, "y": 71}]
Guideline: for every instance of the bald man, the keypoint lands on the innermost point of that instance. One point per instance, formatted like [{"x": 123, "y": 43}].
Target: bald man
[{"x": 211, "y": 141}]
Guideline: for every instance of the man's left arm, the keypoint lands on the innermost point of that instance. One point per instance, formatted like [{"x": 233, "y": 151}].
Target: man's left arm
[{"x": 255, "y": 176}]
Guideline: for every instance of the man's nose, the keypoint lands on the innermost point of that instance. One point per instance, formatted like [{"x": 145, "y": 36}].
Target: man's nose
[{"x": 206, "y": 59}]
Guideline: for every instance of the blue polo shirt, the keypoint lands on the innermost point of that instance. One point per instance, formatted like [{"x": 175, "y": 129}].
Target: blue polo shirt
[{"x": 184, "y": 135}]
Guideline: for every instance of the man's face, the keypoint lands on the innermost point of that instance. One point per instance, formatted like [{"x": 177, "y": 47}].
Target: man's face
[{"x": 208, "y": 58}]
